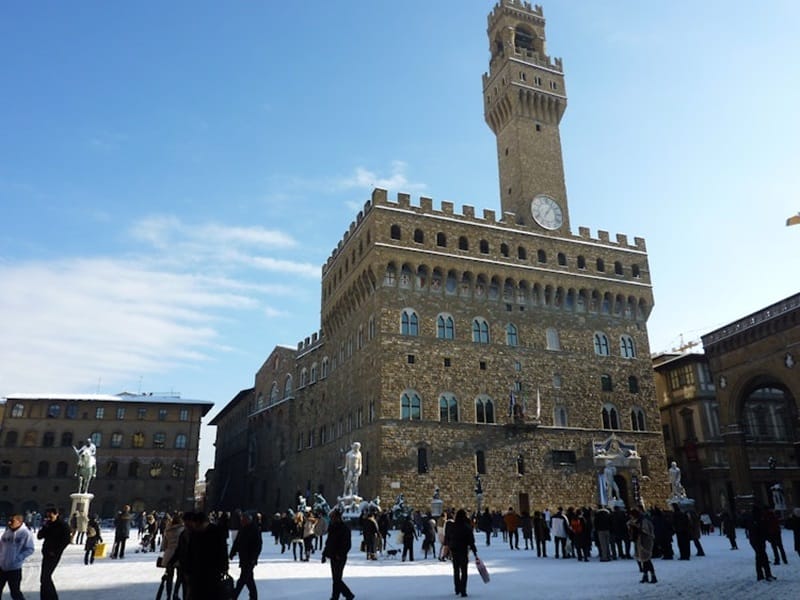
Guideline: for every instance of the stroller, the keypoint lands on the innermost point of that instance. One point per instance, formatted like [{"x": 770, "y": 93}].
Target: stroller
[{"x": 145, "y": 543}]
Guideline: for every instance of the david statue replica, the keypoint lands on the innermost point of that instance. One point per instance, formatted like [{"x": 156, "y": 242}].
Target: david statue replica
[{"x": 352, "y": 470}]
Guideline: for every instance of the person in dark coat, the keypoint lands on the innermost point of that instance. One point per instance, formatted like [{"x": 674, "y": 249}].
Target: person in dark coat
[
  {"x": 206, "y": 558},
  {"x": 460, "y": 539},
  {"x": 757, "y": 532},
  {"x": 93, "y": 537},
  {"x": 337, "y": 545},
  {"x": 728, "y": 528},
  {"x": 247, "y": 545},
  {"x": 680, "y": 523},
  {"x": 122, "y": 531},
  {"x": 409, "y": 535},
  {"x": 774, "y": 536},
  {"x": 642, "y": 532},
  {"x": 485, "y": 524},
  {"x": 541, "y": 533},
  {"x": 793, "y": 524},
  {"x": 55, "y": 533}
]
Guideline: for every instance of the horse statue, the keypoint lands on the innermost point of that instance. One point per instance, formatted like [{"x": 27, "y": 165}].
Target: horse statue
[{"x": 87, "y": 467}]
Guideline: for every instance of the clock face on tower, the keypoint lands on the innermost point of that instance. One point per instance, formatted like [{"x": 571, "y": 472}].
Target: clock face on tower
[{"x": 546, "y": 212}]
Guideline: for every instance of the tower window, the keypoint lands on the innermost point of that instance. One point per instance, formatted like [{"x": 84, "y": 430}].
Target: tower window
[
  {"x": 441, "y": 240},
  {"x": 562, "y": 259},
  {"x": 541, "y": 256},
  {"x": 581, "y": 262},
  {"x": 601, "y": 265},
  {"x": 395, "y": 232},
  {"x": 537, "y": 80},
  {"x": 538, "y": 127},
  {"x": 419, "y": 237},
  {"x": 463, "y": 243},
  {"x": 484, "y": 247}
]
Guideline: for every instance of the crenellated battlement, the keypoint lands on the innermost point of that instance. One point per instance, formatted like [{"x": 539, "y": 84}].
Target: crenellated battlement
[
  {"x": 310, "y": 342},
  {"x": 487, "y": 217},
  {"x": 519, "y": 7}
]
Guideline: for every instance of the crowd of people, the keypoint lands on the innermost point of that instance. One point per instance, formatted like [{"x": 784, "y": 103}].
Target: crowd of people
[{"x": 195, "y": 548}]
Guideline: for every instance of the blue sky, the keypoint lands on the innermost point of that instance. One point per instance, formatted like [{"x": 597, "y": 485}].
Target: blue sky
[{"x": 173, "y": 175}]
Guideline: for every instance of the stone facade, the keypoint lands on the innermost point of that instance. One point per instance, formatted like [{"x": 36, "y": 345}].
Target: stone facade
[
  {"x": 146, "y": 450},
  {"x": 433, "y": 320}
]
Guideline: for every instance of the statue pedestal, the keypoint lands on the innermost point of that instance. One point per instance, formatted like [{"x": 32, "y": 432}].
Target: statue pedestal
[{"x": 80, "y": 505}]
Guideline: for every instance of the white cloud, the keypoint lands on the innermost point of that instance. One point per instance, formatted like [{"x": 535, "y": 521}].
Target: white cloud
[
  {"x": 68, "y": 323},
  {"x": 397, "y": 180}
]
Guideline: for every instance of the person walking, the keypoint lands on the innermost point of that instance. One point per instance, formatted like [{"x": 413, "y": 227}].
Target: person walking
[
  {"x": 337, "y": 545},
  {"x": 93, "y": 537},
  {"x": 642, "y": 532},
  {"x": 16, "y": 545},
  {"x": 560, "y": 529},
  {"x": 206, "y": 558},
  {"x": 758, "y": 540},
  {"x": 56, "y": 534},
  {"x": 409, "y": 535},
  {"x": 511, "y": 520},
  {"x": 774, "y": 536},
  {"x": 247, "y": 544},
  {"x": 541, "y": 533},
  {"x": 460, "y": 539},
  {"x": 169, "y": 546},
  {"x": 728, "y": 528},
  {"x": 122, "y": 530}
]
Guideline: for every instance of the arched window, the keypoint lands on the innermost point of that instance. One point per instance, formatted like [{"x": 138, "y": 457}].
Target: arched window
[
  {"x": 304, "y": 372},
  {"x": 133, "y": 469},
  {"x": 180, "y": 441},
  {"x": 601, "y": 344},
  {"x": 610, "y": 417},
  {"x": 410, "y": 406},
  {"x": 562, "y": 259},
  {"x": 560, "y": 416},
  {"x": 48, "y": 439},
  {"x": 43, "y": 470},
  {"x": 511, "y": 335},
  {"x": 605, "y": 383},
  {"x": 419, "y": 237},
  {"x": 409, "y": 323},
  {"x": 552, "y": 338},
  {"x": 159, "y": 440},
  {"x": 441, "y": 240},
  {"x": 541, "y": 256},
  {"x": 390, "y": 276},
  {"x": 601, "y": 265},
  {"x": 463, "y": 243},
  {"x": 480, "y": 462},
  {"x": 54, "y": 411},
  {"x": 522, "y": 254},
  {"x": 504, "y": 250},
  {"x": 66, "y": 439},
  {"x": 635, "y": 271},
  {"x": 484, "y": 410},
  {"x": 445, "y": 327},
  {"x": 626, "y": 347},
  {"x": 11, "y": 439},
  {"x": 287, "y": 387},
  {"x": 633, "y": 385},
  {"x": 581, "y": 262},
  {"x": 448, "y": 408},
  {"x": 484, "y": 247},
  {"x": 116, "y": 440},
  {"x": 637, "y": 419},
  {"x": 617, "y": 268},
  {"x": 61, "y": 469},
  {"x": 395, "y": 232},
  {"x": 313, "y": 374},
  {"x": 422, "y": 461},
  {"x": 273, "y": 393},
  {"x": 480, "y": 331},
  {"x": 326, "y": 367}
]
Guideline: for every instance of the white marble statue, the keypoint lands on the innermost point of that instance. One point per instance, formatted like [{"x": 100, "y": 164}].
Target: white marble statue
[
  {"x": 352, "y": 469},
  {"x": 612, "y": 489},
  {"x": 675, "y": 481},
  {"x": 87, "y": 465}
]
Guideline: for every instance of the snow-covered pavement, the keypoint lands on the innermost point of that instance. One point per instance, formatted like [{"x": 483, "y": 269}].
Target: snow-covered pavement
[{"x": 517, "y": 574}]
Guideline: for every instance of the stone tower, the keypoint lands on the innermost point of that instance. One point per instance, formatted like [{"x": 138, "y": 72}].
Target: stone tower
[
  {"x": 457, "y": 343},
  {"x": 524, "y": 99}
]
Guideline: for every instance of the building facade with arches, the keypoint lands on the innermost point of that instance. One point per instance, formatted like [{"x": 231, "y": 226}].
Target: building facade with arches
[
  {"x": 730, "y": 414},
  {"x": 463, "y": 343}
]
